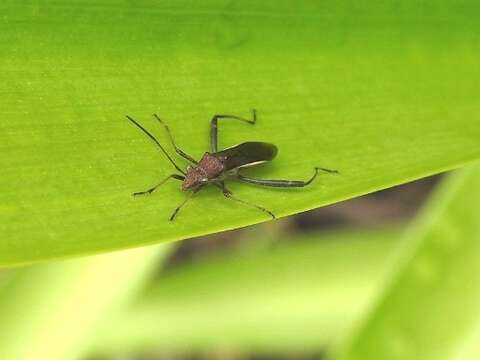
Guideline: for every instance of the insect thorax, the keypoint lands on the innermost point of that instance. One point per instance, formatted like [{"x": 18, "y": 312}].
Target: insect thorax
[{"x": 211, "y": 165}]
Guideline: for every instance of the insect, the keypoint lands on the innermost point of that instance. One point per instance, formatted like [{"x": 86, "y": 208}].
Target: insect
[{"x": 216, "y": 166}]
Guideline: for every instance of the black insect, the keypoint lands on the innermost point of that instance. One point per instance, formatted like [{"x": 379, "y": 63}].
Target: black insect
[{"x": 215, "y": 166}]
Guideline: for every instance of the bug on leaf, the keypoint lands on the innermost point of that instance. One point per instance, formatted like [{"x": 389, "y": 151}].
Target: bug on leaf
[{"x": 216, "y": 166}]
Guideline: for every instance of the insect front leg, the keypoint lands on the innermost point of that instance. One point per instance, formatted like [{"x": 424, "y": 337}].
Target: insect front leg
[
  {"x": 214, "y": 127},
  {"x": 146, "y": 132},
  {"x": 177, "y": 209},
  {"x": 149, "y": 191},
  {"x": 283, "y": 183},
  {"x": 229, "y": 195},
  {"x": 177, "y": 149}
]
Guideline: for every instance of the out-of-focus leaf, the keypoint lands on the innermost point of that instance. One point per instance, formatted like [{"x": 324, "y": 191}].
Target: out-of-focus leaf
[
  {"x": 298, "y": 297},
  {"x": 52, "y": 311},
  {"x": 430, "y": 308}
]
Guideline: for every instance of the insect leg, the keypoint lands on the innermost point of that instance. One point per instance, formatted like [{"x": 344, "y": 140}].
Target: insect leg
[
  {"x": 156, "y": 142},
  {"x": 283, "y": 183},
  {"x": 177, "y": 149},
  {"x": 228, "y": 194},
  {"x": 149, "y": 191},
  {"x": 214, "y": 127},
  {"x": 177, "y": 209}
]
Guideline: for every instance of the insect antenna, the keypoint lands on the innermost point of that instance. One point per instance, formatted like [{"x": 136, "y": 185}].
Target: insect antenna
[{"x": 156, "y": 142}]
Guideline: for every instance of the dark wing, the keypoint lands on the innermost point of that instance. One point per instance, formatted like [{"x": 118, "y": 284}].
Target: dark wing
[{"x": 247, "y": 154}]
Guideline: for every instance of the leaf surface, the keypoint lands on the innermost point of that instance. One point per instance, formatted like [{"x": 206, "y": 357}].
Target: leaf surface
[{"x": 385, "y": 94}]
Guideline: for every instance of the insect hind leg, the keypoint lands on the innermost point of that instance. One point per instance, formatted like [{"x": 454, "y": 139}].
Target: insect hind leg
[
  {"x": 283, "y": 183},
  {"x": 214, "y": 127}
]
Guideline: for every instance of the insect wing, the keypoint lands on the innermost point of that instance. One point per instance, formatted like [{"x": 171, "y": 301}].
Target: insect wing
[{"x": 247, "y": 154}]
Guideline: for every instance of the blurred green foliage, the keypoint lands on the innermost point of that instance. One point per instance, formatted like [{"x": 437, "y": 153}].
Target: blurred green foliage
[
  {"x": 298, "y": 296},
  {"x": 429, "y": 309}
]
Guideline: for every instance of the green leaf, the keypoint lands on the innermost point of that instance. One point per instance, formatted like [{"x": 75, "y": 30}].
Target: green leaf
[
  {"x": 429, "y": 310},
  {"x": 52, "y": 311},
  {"x": 385, "y": 94},
  {"x": 301, "y": 296}
]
